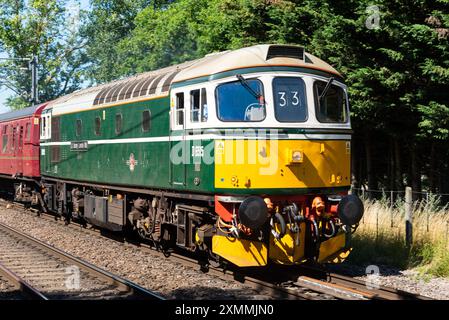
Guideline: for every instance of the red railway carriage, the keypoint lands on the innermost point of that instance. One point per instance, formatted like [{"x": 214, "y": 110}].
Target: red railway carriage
[{"x": 19, "y": 143}]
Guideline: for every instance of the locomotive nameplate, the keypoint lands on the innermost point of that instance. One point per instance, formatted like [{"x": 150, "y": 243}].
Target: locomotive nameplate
[{"x": 79, "y": 146}]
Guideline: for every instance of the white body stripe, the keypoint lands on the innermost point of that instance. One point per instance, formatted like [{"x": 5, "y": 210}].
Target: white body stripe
[{"x": 313, "y": 136}]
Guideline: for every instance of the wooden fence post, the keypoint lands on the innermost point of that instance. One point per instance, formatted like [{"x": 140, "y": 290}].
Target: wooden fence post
[
  {"x": 408, "y": 217},
  {"x": 391, "y": 208}
]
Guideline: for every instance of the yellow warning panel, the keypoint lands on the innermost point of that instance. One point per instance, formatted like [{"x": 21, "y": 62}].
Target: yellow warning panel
[
  {"x": 271, "y": 164},
  {"x": 330, "y": 249},
  {"x": 289, "y": 249},
  {"x": 243, "y": 253}
]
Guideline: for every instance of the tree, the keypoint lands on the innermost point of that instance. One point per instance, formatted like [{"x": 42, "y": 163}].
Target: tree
[
  {"x": 107, "y": 24},
  {"x": 45, "y": 29},
  {"x": 391, "y": 70},
  {"x": 188, "y": 29}
]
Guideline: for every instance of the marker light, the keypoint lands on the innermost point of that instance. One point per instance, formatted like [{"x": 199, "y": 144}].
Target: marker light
[{"x": 297, "y": 156}]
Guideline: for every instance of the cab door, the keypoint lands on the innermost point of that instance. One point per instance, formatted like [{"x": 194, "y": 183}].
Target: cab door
[
  {"x": 178, "y": 151},
  {"x": 45, "y": 135}
]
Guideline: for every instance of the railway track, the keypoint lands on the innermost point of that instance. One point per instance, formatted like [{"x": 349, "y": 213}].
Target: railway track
[
  {"x": 317, "y": 285},
  {"x": 13, "y": 288},
  {"x": 360, "y": 289},
  {"x": 381, "y": 293},
  {"x": 36, "y": 270}
]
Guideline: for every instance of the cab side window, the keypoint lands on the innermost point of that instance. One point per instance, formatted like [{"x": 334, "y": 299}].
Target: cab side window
[
  {"x": 179, "y": 109},
  {"x": 43, "y": 125},
  {"x": 198, "y": 103}
]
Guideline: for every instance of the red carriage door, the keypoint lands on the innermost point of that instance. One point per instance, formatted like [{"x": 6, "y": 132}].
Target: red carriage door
[
  {"x": 19, "y": 150},
  {"x": 14, "y": 159}
]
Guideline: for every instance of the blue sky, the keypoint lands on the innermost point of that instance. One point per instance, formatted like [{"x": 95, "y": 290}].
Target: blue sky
[{"x": 4, "y": 92}]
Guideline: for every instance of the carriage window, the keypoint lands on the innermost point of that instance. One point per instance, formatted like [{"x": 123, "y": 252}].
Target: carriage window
[
  {"x": 146, "y": 121},
  {"x": 97, "y": 126},
  {"x": 332, "y": 107},
  {"x": 21, "y": 137},
  {"x": 289, "y": 99},
  {"x": 78, "y": 127},
  {"x": 4, "y": 138},
  {"x": 179, "y": 109},
  {"x": 118, "y": 123},
  {"x": 237, "y": 103},
  {"x": 5, "y": 143},
  {"x": 13, "y": 145},
  {"x": 28, "y": 131}
]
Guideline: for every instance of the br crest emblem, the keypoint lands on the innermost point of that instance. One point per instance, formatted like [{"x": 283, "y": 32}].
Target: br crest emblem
[{"x": 131, "y": 162}]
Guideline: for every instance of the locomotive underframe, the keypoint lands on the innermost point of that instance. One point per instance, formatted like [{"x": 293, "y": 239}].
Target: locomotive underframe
[{"x": 188, "y": 221}]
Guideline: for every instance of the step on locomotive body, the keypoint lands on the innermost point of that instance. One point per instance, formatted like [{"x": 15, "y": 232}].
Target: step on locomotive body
[{"x": 242, "y": 156}]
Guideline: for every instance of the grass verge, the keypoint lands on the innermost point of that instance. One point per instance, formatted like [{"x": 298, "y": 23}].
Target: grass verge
[{"x": 380, "y": 237}]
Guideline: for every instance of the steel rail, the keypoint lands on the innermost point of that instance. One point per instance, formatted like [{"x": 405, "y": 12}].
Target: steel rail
[
  {"x": 366, "y": 289},
  {"x": 377, "y": 292},
  {"x": 121, "y": 284},
  {"x": 21, "y": 285}
]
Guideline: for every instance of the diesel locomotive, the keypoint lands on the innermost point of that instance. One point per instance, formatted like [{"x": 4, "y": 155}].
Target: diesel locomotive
[{"x": 242, "y": 156}]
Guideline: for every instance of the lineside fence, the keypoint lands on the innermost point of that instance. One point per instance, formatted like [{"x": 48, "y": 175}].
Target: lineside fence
[{"x": 415, "y": 216}]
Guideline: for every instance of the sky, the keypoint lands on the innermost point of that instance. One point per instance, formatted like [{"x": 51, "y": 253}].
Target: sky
[{"x": 4, "y": 92}]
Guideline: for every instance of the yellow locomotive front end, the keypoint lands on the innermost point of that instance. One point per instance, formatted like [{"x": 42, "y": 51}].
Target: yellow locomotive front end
[
  {"x": 300, "y": 195},
  {"x": 282, "y": 165}
]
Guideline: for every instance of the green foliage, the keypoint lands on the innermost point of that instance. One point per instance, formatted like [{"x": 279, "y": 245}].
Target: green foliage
[
  {"x": 386, "y": 249},
  {"x": 437, "y": 259},
  {"x": 45, "y": 29},
  {"x": 108, "y": 22},
  {"x": 188, "y": 29},
  {"x": 434, "y": 120}
]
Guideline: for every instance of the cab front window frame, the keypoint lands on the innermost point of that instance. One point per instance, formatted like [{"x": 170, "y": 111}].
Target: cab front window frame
[
  {"x": 219, "y": 112},
  {"x": 324, "y": 118}
]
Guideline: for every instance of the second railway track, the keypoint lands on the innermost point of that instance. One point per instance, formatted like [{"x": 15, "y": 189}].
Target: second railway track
[{"x": 36, "y": 270}]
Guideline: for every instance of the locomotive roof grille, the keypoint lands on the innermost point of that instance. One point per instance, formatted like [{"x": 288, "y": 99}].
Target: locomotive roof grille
[
  {"x": 213, "y": 66},
  {"x": 142, "y": 86},
  {"x": 285, "y": 52},
  {"x": 169, "y": 80},
  {"x": 155, "y": 83}
]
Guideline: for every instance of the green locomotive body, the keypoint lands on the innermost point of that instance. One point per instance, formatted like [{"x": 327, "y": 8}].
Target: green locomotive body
[{"x": 185, "y": 155}]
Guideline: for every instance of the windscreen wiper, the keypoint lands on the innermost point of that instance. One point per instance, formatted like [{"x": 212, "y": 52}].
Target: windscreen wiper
[
  {"x": 247, "y": 87},
  {"x": 326, "y": 88}
]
